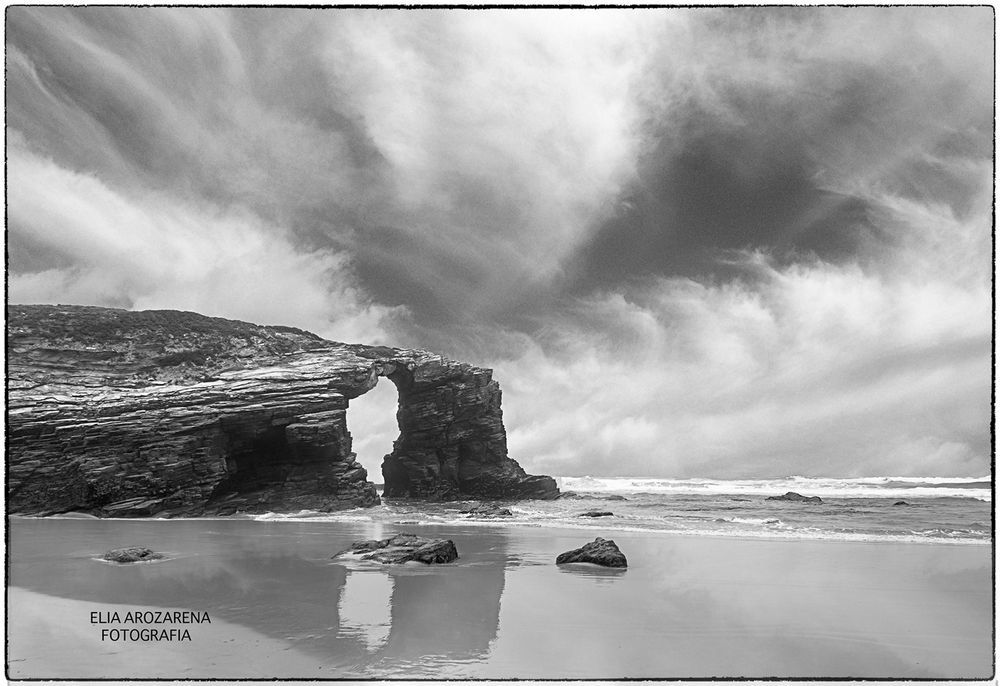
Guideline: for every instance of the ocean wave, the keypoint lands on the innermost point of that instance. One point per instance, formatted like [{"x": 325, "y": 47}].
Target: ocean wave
[
  {"x": 749, "y": 520},
  {"x": 864, "y": 487},
  {"x": 747, "y": 527}
]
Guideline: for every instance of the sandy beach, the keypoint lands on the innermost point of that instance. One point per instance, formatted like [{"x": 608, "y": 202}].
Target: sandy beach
[
  {"x": 46, "y": 641},
  {"x": 685, "y": 607}
]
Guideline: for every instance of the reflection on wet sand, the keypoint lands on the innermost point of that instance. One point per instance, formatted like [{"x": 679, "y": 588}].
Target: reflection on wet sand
[
  {"x": 426, "y": 620},
  {"x": 685, "y": 607},
  {"x": 280, "y": 581},
  {"x": 598, "y": 574},
  {"x": 365, "y": 607}
]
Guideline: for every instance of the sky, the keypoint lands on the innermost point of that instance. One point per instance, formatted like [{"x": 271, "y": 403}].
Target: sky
[{"x": 711, "y": 242}]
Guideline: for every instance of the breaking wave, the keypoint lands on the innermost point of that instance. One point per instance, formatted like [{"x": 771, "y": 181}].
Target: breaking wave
[{"x": 866, "y": 487}]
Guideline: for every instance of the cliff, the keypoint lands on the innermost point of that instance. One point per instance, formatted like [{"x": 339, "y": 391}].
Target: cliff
[{"x": 141, "y": 413}]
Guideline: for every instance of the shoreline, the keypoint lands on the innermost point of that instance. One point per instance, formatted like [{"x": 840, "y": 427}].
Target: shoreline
[{"x": 504, "y": 523}]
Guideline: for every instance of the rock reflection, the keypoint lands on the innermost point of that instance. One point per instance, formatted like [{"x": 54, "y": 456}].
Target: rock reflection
[
  {"x": 439, "y": 616},
  {"x": 280, "y": 581},
  {"x": 596, "y": 572},
  {"x": 364, "y": 606}
]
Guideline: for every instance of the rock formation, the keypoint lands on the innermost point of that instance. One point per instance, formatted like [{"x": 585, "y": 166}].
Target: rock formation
[
  {"x": 599, "y": 552},
  {"x": 404, "y": 548},
  {"x": 133, "y": 554},
  {"x": 794, "y": 497},
  {"x": 596, "y": 513},
  {"x": 488, "y": 510},
  {"x": 124, "y": 413}
]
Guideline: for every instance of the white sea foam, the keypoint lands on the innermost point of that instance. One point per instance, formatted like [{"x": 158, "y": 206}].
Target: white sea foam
[
  {"x": 713, "y": 508},
  {"x": 866, "y": 487},
  {"x": 772, "y": 529}
]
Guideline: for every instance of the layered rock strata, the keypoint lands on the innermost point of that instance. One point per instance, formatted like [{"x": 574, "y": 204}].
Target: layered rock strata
[{"x": 124, "y": 413}]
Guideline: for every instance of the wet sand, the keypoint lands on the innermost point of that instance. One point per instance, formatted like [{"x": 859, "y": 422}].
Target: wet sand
[
  {"x": 45, "y": 641},
  {"x": 685, "y": 607}
]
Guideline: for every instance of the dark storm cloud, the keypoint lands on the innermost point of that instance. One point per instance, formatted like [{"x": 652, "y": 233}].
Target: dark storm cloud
[
  {"x": 746, "y": 160},
  {"x": 691, "y": 212},
  {"x": 689, "y": 240}
]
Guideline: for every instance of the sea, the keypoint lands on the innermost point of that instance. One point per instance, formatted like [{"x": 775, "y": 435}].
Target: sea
[{"x": 955, "y": 510}]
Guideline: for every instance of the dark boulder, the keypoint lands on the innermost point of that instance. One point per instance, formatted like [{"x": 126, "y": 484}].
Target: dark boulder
[
  {"x": 794, "y": 497},
  {"x": 599, "y": 552},
  {"x": 596, "y": 513},
  {"x": 405, "y": 548},
  {"x": 900, "y": 502},
  {"x": 614, "y": 496},
  {"x": 488, "y": 510},
  {"x": 132, "y": 554}
]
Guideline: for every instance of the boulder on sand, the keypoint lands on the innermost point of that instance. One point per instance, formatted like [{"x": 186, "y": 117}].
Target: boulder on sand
[
  {"x": 404, "y": 548},
  {"x": 599, "y": 552},
  {"x": 132, "y": 554},
  {"x": 794, "y": 497},
  {"x": 596, "y": 513}
]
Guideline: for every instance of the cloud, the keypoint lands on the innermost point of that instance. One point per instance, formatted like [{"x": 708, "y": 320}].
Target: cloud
[
  {"x": 810, "y": 368},
  {"x": 500, "y": 166},
  {"x": 152, "y": 253},
  {"x": 776, "y": 360},
  {"x": 399, "y": 137},
  {"x": 725, "y": 242}
]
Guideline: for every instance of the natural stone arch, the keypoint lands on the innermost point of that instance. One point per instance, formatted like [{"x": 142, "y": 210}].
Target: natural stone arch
[
  {"x": 161, "y": 412},
  {"x": 452, "y": 442}
]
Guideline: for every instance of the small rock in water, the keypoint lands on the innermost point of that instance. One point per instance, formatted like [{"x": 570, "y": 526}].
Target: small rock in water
[
  {"x": 900, "y": 502},
  {"x": 405, "y": 548},
  {"x": 488, "y": 510},
  {"x": 132, "y": 554},
  {"x": 599, "y": 552},
  {"x": 796, "y": 498},
  {"x": 596, "y": 513}
]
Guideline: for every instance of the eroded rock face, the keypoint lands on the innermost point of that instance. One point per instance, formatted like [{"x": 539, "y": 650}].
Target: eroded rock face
[
  {"x": 141, "y": 413},
  {"x": 452, "y": 441}
]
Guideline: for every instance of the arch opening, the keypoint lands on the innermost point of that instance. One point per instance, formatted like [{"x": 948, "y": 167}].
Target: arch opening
[{"x": 371, "y": 420}]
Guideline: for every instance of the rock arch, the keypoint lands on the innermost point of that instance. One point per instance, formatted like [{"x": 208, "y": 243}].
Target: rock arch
[
  {"x": 140, "y": 413},
  {"x": 452, "y": 442}
]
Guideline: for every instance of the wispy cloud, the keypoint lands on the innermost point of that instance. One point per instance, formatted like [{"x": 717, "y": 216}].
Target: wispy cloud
[
  {"x": 154, "y": 253},
  {"x": 810, "y": 368}
]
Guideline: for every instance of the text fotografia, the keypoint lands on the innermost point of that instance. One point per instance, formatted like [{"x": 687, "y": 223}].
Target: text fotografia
[{"x": 148, "y": 625}]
